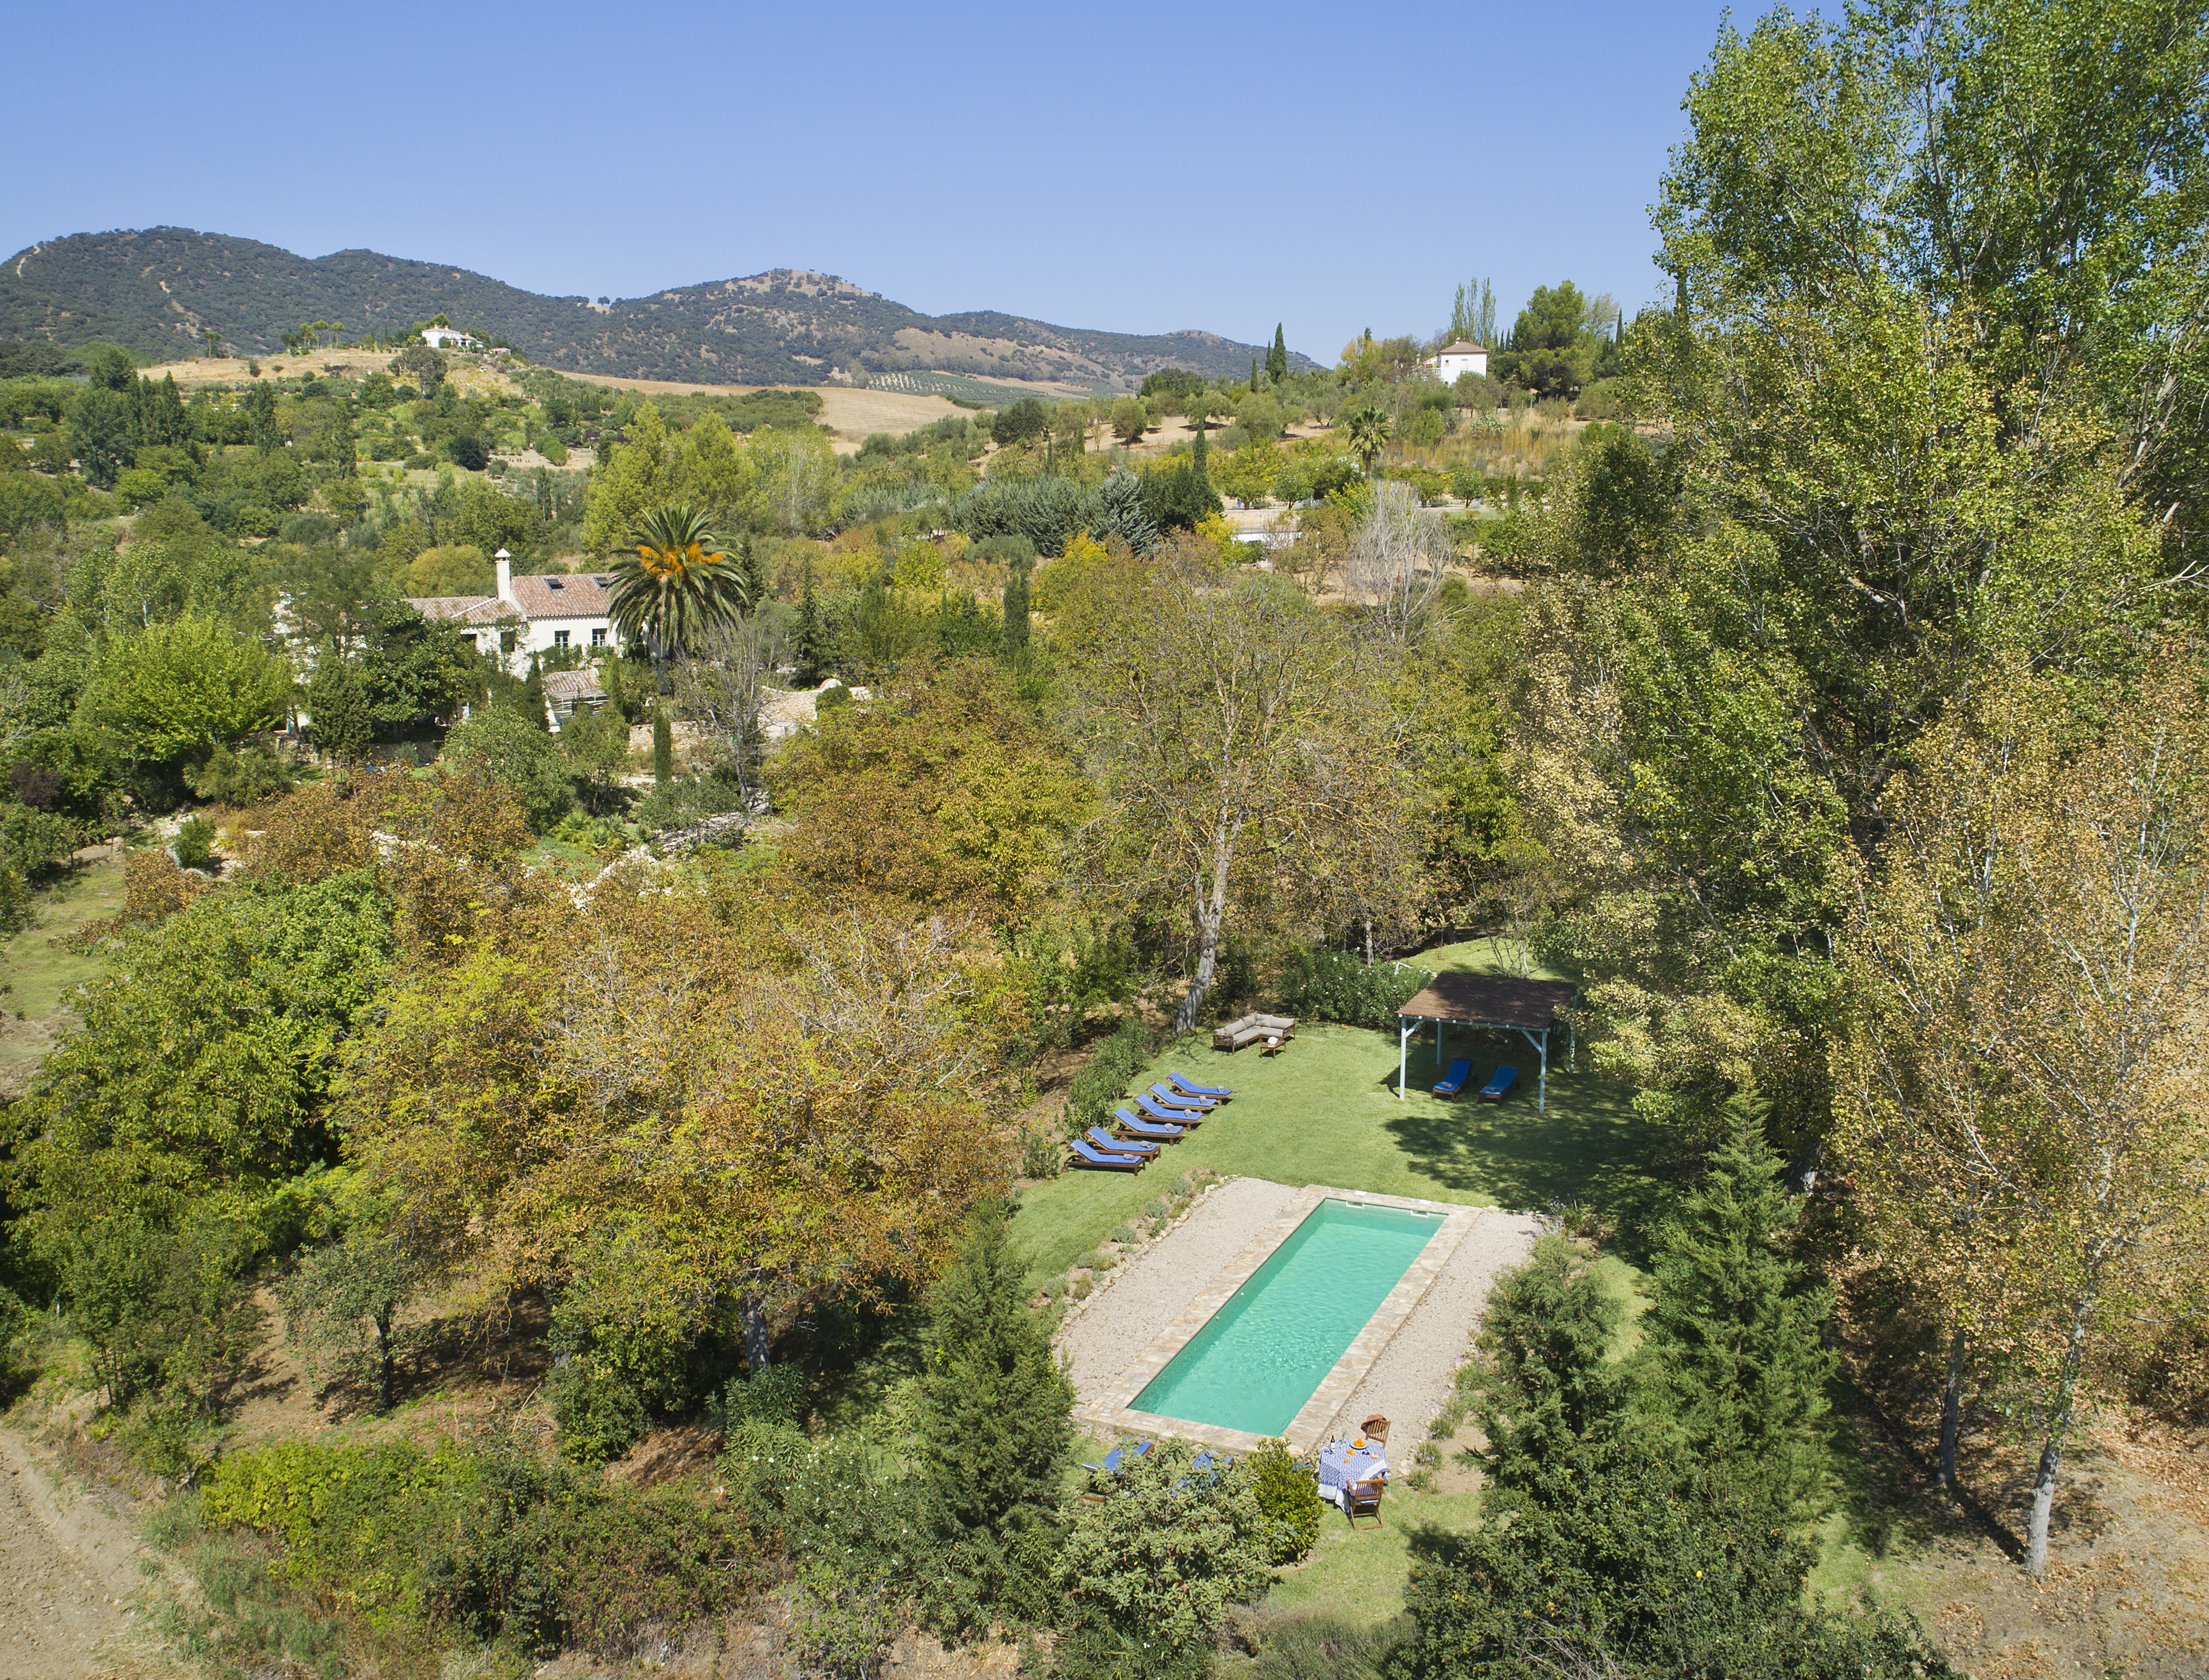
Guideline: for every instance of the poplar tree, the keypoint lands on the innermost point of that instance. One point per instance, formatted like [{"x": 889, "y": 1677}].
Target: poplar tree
[
  {"x": 261, "y": 418},
  {"x": 1735, "y": 1324}
]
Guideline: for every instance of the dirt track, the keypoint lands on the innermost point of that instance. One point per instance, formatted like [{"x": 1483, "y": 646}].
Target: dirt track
[{"x": 69, "y": 1562}]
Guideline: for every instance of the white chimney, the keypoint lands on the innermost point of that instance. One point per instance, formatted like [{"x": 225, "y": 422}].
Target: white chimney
[{"x": 505, "y": 574}]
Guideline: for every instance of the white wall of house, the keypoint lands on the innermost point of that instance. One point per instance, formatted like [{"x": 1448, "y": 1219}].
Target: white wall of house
[{"x": 1448, "y": 366}]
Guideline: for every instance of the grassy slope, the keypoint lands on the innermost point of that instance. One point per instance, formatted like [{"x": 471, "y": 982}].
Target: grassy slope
[
  {"x": 39, "y": 971},
  {"x": 1325, "y": 1112}
]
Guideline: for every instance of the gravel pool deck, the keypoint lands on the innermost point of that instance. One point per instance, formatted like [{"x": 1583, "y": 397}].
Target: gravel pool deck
[{"x": 1409, "y": 1381}]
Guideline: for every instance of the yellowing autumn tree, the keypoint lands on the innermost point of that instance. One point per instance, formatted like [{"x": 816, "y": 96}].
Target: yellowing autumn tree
[{"x": 2022, "y": 1097}]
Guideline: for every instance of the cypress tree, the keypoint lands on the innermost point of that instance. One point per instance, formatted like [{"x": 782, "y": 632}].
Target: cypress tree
[
  {"x": 1277, "y": 359},
  {"x": 663, "y": 748},
  {"x": 1015, "y": 644},
  {"x": 532, "y": 697},
  {"x": 995, "y": 1409},
  {"x": 810, "y": 637},
  {"x": 1253, "y": 373},
  {"x": 261, "y": 418},
  {"x": 1203, "y": 471},
  {"x": 1735, "y": 1323},
  {"x": 339, "y": 722}
]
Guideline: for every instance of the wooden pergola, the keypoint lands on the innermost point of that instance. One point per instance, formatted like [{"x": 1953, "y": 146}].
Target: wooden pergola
[{"x": 1500, "y": 1002}]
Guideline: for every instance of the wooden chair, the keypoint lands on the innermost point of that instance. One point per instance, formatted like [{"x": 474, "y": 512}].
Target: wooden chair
[
  {"x": 1363, "y": 1499},
  {"x": 1374, "y": 1428}
]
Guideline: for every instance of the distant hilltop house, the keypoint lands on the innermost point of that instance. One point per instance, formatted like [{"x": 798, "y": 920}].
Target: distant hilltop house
[
  {"x": 450, "y": 338},
  {"x": 1461, "y": 357},
  {"x": 536, "y": 615}
]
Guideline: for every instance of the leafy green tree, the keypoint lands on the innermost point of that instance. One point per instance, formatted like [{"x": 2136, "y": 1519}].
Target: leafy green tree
[
  {"x": 100, "y": 434},
  {"x": 178, "y": 691},
  {"x": 502, "y": 742},
  {"x": 1553, "y": 344},
  {"x": 1024, "y": 423},
  {"x": 261, "y": 418},
  {"x": 195, "y": 1083},
  {"x": 342, "y": 1302},
  {"x": 110, "y": 368},
  {"x": 1129, "y": 420},
  {"x": 414, "y": 672},
  {"x": 339, "y": 719},
  {"x": 1014, "y": 647},
  {"x": 1736, "y": 1324}
]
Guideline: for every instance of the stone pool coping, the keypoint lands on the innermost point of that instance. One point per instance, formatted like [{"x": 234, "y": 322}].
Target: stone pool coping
[{"x": 1114, "y": 1410}]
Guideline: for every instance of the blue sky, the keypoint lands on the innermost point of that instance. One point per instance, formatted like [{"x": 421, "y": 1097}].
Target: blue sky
[{"x": 1138, "y": 168}]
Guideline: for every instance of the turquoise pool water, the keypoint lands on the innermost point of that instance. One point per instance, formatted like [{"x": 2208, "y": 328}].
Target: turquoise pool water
[{"x": 1258, "y": 1360}]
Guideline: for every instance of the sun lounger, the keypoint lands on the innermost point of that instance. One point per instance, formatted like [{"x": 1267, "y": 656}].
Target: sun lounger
[
  {"x": 1454, "y": 1082},
  {"x": 1158, "y": 1130},
  {"x": 1125, "y": 1453},
  {"x": 1218, "y": 1093},
  {"x": 1505, "y": 1078},
  {"x": 1105, "y": 1139},
  {"x": 1172, "y": 1117},
  {"x": 1084, "y": 1155},
  {"x": 1172, "y": 1099}
]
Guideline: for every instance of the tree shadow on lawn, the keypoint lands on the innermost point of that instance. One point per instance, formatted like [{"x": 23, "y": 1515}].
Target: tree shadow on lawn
[{"x": 1590, "y": 1146}]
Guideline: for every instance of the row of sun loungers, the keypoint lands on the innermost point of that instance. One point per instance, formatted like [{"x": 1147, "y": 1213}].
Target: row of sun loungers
[{"x": 1167, "y": 1111}]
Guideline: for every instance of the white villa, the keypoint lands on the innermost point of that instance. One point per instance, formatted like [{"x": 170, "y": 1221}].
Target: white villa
[
  {"x": 1462, "y": 357},
  {"x": 449, "y": 338},
  {"x": 554, "y": 610}
]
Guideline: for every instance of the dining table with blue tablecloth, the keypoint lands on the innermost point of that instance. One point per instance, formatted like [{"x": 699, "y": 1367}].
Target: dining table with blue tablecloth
[{"x": 1343, "y": 1463}]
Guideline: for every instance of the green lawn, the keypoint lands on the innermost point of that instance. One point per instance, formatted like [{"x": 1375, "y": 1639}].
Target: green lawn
[
  {"x": 1325, "y": 1112},
  {"x": 37, "y": 971}
]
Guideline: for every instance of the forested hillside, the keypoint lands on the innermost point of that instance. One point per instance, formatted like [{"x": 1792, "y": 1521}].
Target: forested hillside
[{"x": 160, "y": 289}]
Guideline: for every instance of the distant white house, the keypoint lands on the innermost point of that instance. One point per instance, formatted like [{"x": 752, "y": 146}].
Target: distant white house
[
  {"x": 449, "y": 338},
  {"x": 1462, "y": 357},
  {"x": 532, "y": 615}
]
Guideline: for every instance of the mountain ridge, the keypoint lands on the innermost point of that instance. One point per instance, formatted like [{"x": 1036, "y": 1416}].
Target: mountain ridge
[{"x": 155, "y": 289}]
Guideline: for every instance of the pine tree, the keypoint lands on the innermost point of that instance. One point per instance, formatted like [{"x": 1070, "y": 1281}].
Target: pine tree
[
  {"x": 663, "y": 747},
  {"x": 1015, "y": 641},
  {"x": 1553, "y": 1387},
  {"x": 1277, "y": 359},
  {"x": 1735, "y": 1325},
  {"x": 1203, "y": 471},
  {"x": 996, "y": 1409}
]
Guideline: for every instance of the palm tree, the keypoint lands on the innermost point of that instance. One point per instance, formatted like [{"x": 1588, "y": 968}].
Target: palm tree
[
  {"x": 680, "y": 583},
  {"x": 1369, "y": 434}
]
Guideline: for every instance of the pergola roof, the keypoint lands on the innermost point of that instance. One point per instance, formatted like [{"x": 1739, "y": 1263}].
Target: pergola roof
[{"x": 1492, "y": 1000}]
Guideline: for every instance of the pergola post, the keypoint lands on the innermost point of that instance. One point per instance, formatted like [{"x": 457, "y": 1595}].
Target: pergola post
[
  {"x": 1542, "y": 1090},
  {"x": 1403, "y": 1052}
]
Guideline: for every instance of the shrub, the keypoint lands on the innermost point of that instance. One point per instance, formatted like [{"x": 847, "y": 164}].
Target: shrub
[
  {"x": 1287, "y": 1491},
  {"x": 1320, "y": 984},
  {"x": 831, "y": 697},
  {"x": 1123, "y": 1233},
  {"x": 1098, "y": 1088},
  {"x": 775, "y": 1395},
  {"x": 1150, "y": 1572},
  {"x": 599, "y": 1412},
  {"x": 1039, "y": 1155},
  {"x": 468, "y": 452},
  {"x": 194, "y": 847}
]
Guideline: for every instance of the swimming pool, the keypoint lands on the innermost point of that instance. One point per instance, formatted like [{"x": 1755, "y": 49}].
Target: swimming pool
[{"x": 1269, "y": 1346}]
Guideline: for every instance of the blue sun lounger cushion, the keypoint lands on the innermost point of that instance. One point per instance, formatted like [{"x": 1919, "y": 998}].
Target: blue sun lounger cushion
[
  {"x": 1141, "y": 1128},
  {"x": 1172, "y": 1117},
  {"x": 1126, "y": 1453},
  {"x": 1454, "y": 1082},
  {"x": 1505, "y": 1078},
  {"x": 1172, "y": 1099},
  {"x": 1105, "y": 1139},
  {"x": 1218, "y": 1093},
  {"x": 1089, "y": 1156}
]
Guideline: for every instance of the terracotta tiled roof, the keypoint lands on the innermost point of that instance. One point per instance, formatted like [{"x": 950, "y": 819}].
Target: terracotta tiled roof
[
  {"x": 573, "y": 685},
  {"x": 1462, "y": 348},
  {"x": 578, "y": 596},
  {"x": 464, "y": 609}
]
